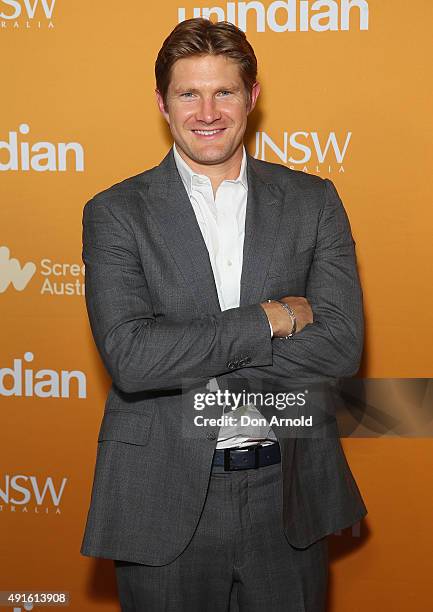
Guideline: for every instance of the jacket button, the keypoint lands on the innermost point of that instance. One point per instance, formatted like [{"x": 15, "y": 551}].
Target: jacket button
[
  {"x": 231, "y": 365},
  {"x": 211, "y": 435},
  {"x": 245, "y": 361}
]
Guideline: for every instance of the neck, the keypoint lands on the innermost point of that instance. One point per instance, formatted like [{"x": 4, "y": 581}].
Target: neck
[{"x": 217, "y": 173}]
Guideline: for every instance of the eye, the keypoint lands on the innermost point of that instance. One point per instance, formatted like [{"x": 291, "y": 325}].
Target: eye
[
  {"x": 224, "y": 92},
  {"x": 186, "y": 94}
]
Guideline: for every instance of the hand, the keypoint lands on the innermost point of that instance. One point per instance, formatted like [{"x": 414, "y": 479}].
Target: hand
[{"x": 280, "y": 319}]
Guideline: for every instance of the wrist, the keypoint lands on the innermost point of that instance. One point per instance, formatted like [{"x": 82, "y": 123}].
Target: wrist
[{"x": 287, "y": 333}]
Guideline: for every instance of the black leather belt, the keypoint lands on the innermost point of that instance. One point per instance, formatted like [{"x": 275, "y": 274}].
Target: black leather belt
[{"x": 248, "y": 457}]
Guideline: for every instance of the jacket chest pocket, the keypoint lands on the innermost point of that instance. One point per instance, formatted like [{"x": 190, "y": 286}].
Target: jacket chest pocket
[
  {"x": 285, "y": 285},
  {"x": 125, "y": 425},
  {"x": 288, "y": 275}
]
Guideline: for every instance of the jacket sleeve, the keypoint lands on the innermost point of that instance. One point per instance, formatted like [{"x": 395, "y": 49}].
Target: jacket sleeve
[
  {"x": 143, "y": 352},
  {"x": 332, "y": 345}
]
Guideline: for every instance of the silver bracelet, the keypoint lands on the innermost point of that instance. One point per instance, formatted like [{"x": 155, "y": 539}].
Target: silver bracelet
[{"x": 292, "y": 318}]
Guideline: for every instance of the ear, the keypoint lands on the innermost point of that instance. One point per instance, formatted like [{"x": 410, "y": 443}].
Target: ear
[
  {"x": 161, "y": 105},
  {"x": 255, "y": 90}
]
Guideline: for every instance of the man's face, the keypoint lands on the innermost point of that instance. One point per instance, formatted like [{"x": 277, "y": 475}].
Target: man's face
[{"x": 207, "y": 108}]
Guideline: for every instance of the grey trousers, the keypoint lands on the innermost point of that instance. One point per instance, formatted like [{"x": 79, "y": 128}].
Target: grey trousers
[{"x": 238, "y": 559}]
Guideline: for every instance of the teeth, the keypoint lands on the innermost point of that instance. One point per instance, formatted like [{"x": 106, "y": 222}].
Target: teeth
[{"x": 206, "y": 132}]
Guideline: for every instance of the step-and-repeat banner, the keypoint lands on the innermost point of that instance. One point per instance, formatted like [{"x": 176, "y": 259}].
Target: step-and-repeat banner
[{"x": 345, "y": 95}]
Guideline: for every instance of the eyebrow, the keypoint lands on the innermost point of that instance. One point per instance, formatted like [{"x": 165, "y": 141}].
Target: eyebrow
[{"x": 227, "y": 87}]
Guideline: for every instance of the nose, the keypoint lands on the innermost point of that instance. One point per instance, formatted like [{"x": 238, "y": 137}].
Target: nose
[{"x": 208, "y": 110}]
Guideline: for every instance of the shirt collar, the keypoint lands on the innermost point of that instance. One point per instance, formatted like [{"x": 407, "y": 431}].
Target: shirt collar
[{"x": 187, "y": 174}]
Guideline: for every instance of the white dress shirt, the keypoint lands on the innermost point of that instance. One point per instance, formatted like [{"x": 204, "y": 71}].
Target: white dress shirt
[{"x": 222, "y": 223}]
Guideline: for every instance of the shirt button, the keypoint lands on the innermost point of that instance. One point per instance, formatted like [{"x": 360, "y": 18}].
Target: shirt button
[{"x": 229, "y": 262}]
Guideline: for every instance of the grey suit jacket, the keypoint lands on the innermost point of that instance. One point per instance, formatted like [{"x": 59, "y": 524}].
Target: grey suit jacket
[{"x": 156, "y": 320}]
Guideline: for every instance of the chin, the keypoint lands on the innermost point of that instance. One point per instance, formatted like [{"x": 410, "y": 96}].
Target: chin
[
  {"x": 212, "y": 156},
  {"x": 210, "y": 159}
]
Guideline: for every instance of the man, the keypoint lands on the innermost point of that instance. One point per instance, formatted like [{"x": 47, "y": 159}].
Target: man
[{"x": 180, "y": 262}]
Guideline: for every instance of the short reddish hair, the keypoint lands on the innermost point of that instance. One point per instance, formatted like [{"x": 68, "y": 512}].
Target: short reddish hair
[{"x": 200, "y": 36}]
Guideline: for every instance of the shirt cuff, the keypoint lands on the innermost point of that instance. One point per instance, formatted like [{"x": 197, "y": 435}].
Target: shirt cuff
[{"x": 272, "y": 331}]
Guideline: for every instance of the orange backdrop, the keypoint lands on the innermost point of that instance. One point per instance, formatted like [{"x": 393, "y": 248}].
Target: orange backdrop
[{"x": 344, "y": 95}]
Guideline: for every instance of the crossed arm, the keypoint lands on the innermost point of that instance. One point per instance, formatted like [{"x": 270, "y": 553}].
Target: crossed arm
[{"x": 143, "y": 352}]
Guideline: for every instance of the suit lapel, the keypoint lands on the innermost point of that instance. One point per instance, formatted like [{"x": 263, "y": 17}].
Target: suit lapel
[
  {"x": 170, "y": 206},
  {"x": 262, "y": 221}
]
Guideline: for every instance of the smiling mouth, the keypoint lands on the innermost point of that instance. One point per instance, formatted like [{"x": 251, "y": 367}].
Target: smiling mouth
[{"x": 208, "y": 133}]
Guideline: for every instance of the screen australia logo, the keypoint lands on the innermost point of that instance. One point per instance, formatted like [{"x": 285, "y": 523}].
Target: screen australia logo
[
  {"x": 12, "y": 272},
  {"x": 287, "y": 15},
  {"x": 27, "y": 14},
  {"x": 54, "y": 278}
]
